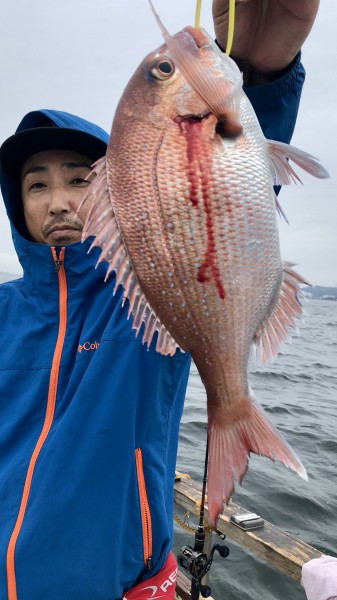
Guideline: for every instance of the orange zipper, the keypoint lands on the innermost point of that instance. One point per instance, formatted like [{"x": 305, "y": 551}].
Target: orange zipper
[
  {"x": 144, "y": 510},
  {"x": 49, "y": 415}
]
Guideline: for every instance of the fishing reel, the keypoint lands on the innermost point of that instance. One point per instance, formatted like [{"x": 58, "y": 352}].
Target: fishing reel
[{"x": 197, "y": 563}]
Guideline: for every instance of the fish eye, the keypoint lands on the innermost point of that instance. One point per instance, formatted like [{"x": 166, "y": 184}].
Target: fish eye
[{"x": 162, "y": 69}]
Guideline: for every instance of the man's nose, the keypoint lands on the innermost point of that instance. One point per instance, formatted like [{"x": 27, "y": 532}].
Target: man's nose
[{"x": 59, "y": 201}]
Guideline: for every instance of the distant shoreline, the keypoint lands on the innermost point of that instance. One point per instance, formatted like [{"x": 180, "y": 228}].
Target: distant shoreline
[{"x": 320, "y": 292}]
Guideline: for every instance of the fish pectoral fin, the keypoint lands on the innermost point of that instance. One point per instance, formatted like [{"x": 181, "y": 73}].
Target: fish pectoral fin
[
  {"x": 282, "y": 172},
  {"x": 231, "y": 441},
  {"x": 284, "y": 318},
  {"x": 101, "y": 223}
]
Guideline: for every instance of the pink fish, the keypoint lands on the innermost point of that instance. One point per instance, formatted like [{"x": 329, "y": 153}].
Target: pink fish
[{"x": 183, "y": 209}]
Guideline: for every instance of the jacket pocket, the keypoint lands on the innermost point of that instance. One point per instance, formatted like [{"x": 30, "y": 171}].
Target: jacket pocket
[{"x": 144, "y": 510}]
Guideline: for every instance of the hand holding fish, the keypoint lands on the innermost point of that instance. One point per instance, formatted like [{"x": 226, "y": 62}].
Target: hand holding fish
[{"x": 268, "y": 34}]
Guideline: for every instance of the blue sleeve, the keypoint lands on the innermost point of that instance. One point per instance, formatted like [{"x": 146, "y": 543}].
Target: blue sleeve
[{"x": 276, "y": 103}]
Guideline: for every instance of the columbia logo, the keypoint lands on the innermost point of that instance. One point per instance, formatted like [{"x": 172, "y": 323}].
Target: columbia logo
[{"x": 88, "y": 346}]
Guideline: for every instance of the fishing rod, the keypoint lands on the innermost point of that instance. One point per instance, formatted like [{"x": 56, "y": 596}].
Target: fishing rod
[{"x": 195, "y": 560}]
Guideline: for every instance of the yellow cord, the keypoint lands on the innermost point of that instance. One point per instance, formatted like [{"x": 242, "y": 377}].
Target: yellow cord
[
  {"x": 231, "y": 18},
  {"x": 197, "y": 14}
]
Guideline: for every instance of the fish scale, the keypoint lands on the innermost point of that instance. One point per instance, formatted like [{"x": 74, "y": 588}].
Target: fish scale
[{"x": 192, "y": 235}]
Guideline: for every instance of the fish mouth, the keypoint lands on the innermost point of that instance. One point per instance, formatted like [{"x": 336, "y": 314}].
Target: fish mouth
[
  {"x": 192, "y": 117},
  {"x": 226, "y": 126}
]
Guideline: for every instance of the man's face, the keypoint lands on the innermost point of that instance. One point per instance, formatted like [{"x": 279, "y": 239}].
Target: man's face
[{"x": 52, "y": 187}]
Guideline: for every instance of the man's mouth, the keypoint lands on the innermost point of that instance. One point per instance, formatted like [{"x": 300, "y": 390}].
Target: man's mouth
[
  {"x": 55, "y": 226},
  {"x": 63, "y": 227},
  {"x": 60, "y": 233}
]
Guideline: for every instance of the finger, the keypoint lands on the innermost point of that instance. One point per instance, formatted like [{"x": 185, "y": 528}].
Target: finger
[{"x": 220, "y": 7}]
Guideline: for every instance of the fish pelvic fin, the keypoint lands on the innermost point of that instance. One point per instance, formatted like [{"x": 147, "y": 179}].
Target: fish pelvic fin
[
  {"x": 284, "y": 319},
  {"x": 231, "y": 440},
  {"x": 101, "y": 222},
  {"x": 282, "y": 171}
]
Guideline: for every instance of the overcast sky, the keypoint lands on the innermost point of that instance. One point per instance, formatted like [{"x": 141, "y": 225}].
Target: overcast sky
[{"x": 78, "y": 56}]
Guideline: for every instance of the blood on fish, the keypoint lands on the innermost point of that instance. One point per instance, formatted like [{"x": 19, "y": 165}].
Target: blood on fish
[
  {"x": 199, "y": 176},
  {"x": 209, "y": 262}
]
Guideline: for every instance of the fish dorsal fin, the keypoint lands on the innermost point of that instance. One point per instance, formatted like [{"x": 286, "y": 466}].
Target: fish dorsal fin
[
  {"x": 101, "y": 223},
  {"x": 284, "y": 318},
  {"x": 282, "y": 172}
]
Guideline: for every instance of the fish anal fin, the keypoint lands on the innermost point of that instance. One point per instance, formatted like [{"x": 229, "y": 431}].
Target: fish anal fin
[
  {"x": 282, "y": 171},
  {"x": 102, "y": 223},
  {"x": 284, "y": 318},
  {"x": 231, "y": 440}
]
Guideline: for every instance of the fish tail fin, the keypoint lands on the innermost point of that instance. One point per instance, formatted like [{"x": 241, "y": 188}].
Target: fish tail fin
[{"x": 230, "y": 444}]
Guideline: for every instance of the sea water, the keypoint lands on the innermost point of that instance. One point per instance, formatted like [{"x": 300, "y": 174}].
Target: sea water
[{"x": 299, "y": 393}]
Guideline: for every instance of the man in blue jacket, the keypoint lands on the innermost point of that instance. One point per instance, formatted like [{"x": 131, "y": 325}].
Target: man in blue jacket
[{"x": 90, "y": 417}]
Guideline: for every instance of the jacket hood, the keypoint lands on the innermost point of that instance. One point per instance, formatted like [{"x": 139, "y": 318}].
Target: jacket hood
[{"x": 10, "y": 186}]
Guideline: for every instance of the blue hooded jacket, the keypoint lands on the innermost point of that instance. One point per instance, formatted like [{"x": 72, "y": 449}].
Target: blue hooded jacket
[{"x": 89, "y": 417}]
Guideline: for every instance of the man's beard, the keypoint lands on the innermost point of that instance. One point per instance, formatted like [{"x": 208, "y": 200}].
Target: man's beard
[{"x": 61, "y": 221}]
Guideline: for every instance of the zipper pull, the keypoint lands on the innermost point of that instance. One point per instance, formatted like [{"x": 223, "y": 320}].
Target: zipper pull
[
  {"x": 58, "y": 265},
  {"x": 149, "y": 563},
  {"x": 58, "y": 260}
]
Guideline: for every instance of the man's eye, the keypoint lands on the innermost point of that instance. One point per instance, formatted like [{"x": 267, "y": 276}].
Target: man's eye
[
  {"x": 79, "y": 181},
  {"x": 37, "y": 185}
]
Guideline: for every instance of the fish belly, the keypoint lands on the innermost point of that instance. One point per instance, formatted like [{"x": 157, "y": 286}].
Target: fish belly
[{"x": 197, "y": 216}]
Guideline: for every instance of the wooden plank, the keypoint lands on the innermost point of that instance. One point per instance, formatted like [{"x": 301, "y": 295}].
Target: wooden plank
[
  {"x": 282, "y": 551},
  {"x": 183, "y": 587}
]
